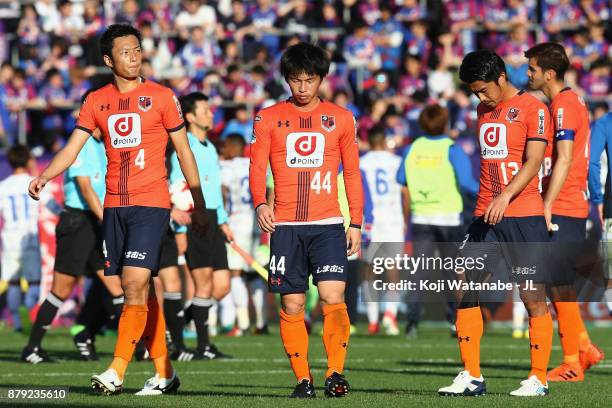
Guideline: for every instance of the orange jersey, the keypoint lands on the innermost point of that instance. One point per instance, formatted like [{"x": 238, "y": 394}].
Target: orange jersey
[
  {"x": 571, "y": 121},
  {"x": 305, "y": 150},
  {"x": 135, "y": 127},
  {"x": 503, "y": 135}
]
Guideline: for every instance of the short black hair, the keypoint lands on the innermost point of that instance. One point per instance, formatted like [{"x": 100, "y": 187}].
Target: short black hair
[
  {"x": 304, "y": 58},
  {"x": 236, "y": 139},
  {"x": 481, "y": 65},
  {"x": 18, "y": 156},
  {"x": 116, "y": 31},
  {"x": 376, "y": 135},
  {"x": 189, "y": 102},
  {"x": 550, "y": 55}
]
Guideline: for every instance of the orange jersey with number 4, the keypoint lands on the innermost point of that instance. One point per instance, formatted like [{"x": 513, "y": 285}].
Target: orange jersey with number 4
[
  {"x": 304, "y": 150},
  {"x": 135, "y": 127},
  {"x": 571, "y": 120},
  {"x": 503, "y": 133}
]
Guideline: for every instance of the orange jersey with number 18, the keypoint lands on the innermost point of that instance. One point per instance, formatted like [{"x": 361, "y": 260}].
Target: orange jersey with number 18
[
  {"x": 135, "y": 127},
  {"x": 504, "y": 132},
  {"x": 304, "y": 150}
]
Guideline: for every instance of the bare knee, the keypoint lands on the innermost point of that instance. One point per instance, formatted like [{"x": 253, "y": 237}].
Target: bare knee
[
  {"x": 62, "y": 285},
  {"x": 135, "y": 291},
  {"x": 293, "y": 304}
]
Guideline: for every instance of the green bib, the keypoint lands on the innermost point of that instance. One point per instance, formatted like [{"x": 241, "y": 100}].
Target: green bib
[{"x": 431, "y": 178}]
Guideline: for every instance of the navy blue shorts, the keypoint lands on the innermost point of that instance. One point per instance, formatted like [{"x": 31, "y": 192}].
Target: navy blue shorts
[
  {"x": 515, "y": 249},
  {"x": 568, "y": 246},
  {"x": 133, "y": 237},
  {"x": 297, "y": 251}
]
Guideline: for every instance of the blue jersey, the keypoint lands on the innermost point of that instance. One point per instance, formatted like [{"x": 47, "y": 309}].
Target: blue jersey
[
  {"x": 601, "y": 138},
  {"x": 210, "y": 174},
  {"x": 90, "y": 162}
]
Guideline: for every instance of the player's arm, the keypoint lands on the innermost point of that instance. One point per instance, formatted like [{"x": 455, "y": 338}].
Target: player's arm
[
  {"x": 90, "y": 196},
  {"x": 260, "y": 154},
  {"x": 534, "y": 154},
  {"x": 563, "y": 149},
  {"x": 599, "y": 136},
  {"x": 352, "y": 180},
  {"x": 188, "y": 166},
  {"x": 400, "y": 178},
  {"x": 62, "y": 160}
]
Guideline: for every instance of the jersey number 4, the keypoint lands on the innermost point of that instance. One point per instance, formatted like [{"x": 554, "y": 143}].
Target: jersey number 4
[{"x": 140, "y": 159}]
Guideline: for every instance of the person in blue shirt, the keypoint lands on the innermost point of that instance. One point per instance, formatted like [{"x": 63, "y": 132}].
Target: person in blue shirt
[
  {"x": 601, "y": 139},
  {"x": 434, "y": 173},
  {"x": 79, "y": 253},
  {"x": 241, "y": 124},
  {"x": 206, "y": 254}
]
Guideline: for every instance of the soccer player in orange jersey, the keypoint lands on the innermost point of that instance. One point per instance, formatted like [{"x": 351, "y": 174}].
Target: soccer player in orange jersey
[
  {"x": 513, "y": 131},
  {"x": 305, "y": 139},
  {"x": 135, "y": 117},
  {"x": 566, "y": 205}
]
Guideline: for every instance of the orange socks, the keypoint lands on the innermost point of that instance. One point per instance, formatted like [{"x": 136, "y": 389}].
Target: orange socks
[
  {"x": 131, "y": 326},
  {"x": 295, "y": 340},
  {"x": 336, "y": 331},
  {"x": 469, "y": 332},
  {"x": 570, "y": 329},
  {"x": 154, "y": 337},
  {"x": 540, "y": 339}
]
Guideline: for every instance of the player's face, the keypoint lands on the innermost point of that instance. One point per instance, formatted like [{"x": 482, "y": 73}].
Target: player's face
[
  {"x": 489, "y": 93},
  {"x": 304, "y": 88},
  {"x": 127, "y": 57},
  {"x": 202, "y": 115},
  {"x": 535, "y": 75}
]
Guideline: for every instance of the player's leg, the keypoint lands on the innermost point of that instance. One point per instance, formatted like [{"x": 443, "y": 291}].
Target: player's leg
[
  {"x": 479, "y": 240},
  {"x": 240, "y": 297},
  {"x": 227, "y": 315},
  {"x": 518, "y": 316},
  {"x": 327, "y": 255},
  {"x": 238, "y": 289},
  {"x": 289, "y": 277},
  {"x": 258, "y": 290},
  {"x": 370, "y": 296}
]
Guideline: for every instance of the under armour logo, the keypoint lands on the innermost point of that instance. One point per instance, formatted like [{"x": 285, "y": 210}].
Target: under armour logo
[
  {"x": 293, "y": 355},
  {"x": 344, "y": 345},
  {"x": 534, "y": 346},
  {"x": 282, "y": 123},
  {"x": 105, "y": 107},
  {"x": 276, "y": 281},
  {"x": 466, "y": 338},
  {"x": 134, "y": 341}
]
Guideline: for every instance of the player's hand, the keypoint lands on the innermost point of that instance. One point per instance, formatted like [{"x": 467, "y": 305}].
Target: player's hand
[
  {"x": 353, "y": 240},
  {"x": 229, "y": 235},
  {"x": 199, "y": 220},
  {"x": 265, "y": 218},
  {"x": 36, "y": 186},
  {"x": 495, "y": 211},
  {"x": 548, "y": 217},
  {"x": 180, "y": 217}
]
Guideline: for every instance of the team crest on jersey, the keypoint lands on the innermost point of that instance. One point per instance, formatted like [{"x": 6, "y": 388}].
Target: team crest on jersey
[
  {"x": 145, "y": 103},
  {"x": 328, "y": 122},
  {"x": 512, "y": 114}
]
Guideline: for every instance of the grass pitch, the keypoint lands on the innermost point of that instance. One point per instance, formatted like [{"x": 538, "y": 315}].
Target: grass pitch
[{"x": 382, "y": 371}]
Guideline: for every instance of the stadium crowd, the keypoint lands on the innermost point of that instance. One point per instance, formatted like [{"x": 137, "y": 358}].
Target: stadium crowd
[{"x": 390, "y": 58}]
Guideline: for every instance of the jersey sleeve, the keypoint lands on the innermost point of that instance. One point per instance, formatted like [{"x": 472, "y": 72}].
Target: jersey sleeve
[
  {"x": 172, "y": 116},
  {"x": 82, "y": 165},
  {"x": 538, "y": 123},
  {"x": 352, "y": 174},
  {"x": 599, "y": 136},
  {"x": 260, "y": 154},
  {"x": 400, "y": 176},
  {"x": 87, "y": 121},
  {"x": 566, "y": 121}
]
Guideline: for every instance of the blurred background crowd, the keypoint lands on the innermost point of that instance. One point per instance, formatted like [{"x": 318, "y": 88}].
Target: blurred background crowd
[{"x": 390, "y": 58}]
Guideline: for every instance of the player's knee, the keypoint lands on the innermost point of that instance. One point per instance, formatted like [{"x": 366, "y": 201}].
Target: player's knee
[
  {"x": 535, "y": 308},
  {"x": 221, "y": 291},
  {"x": 332, "y": 298},
  {"x": 134, "y": 290}
]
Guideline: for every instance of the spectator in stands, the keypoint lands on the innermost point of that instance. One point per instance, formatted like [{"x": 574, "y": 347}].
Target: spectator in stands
[
  {"x": 238, "y": 88},
  {"x": 440, "y": 81},
  {"x": 48, "y": 13},
  {"x": 28, "y": 29},
  {"x": 200, "y": 53},
  {"x": 70, "y": 25},
  {"x": 58, "y": 58},
  {"x": 196, "y": 14},
  {"x": 410, "y": 11},
  {"x": 597, "y": 82},
  {"x": 597, "y": 46},
  {"x": 241, "y": 124},
  {"x": 462, "y": 18},
  {"x": 264, "y": 19},
  {"x": 595, "y": 10},
  {"x": 129, "y": 13},
  {"x": 417, "y": 41},
  {"x": 237, "y": 25},
  {"x": 512, "y": 51},
  {"x": 414, "y": 79},
  {"x": 54, "y": 93},
  {"x": 388, "y": 37},
  {"x": 7, "y": 137},
  {"x": 295, "y": 17},
  {"x": 562, "y": 15},
  {"x": 369, "y": 10}
]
